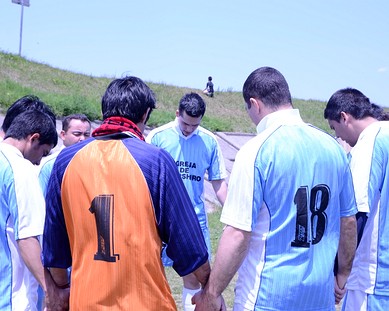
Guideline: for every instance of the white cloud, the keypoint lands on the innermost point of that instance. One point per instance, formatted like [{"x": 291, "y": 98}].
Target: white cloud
[{"x": 383, "y": 69}]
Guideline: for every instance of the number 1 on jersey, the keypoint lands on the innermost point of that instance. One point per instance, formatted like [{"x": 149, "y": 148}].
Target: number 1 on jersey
[{"x": 102, "y": 207}]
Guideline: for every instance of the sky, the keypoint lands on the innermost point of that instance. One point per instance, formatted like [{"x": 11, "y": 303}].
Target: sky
[{"x": 319, "y": 46}]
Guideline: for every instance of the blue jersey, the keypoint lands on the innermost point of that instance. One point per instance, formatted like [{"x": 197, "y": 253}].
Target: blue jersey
[
  {"x": 22, "y": 215},
  {"x": 289, "y": 187},
  {"x": 195, "y": 156},
  {"x": 45, "y": 169},
  {"x": 370, "y": 170},
  {"x": 111, "y": 201}
]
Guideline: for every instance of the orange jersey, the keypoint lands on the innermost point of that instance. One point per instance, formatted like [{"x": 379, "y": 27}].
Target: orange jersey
[{"x": 112, "y": 232}]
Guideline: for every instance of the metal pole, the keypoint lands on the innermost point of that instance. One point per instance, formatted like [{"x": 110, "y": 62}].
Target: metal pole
[{"x": 21, "y": 29}]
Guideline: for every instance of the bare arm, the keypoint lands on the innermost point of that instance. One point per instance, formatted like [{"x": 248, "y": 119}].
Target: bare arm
[
  {"x": 30, "y": 250},
  {"x": 202, "y": 273},
  {"x": 232, "y": 249},
  {"x": 346, "y": 252},
  {"x": 220, "y": 188},
  {"x": 60, "y": 277}
]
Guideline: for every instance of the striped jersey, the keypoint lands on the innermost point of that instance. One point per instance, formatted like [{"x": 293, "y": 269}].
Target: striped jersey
[
  {"x": 370, "y": 170},
  {"x": 111, "y": 201},
  {"x": 195, "y": 155},
  {"x": 22, "y": 216},
  {"x": 289, "y": 187}
]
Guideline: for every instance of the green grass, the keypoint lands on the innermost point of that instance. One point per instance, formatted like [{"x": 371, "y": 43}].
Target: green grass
[{"x": 67, "y": 92}]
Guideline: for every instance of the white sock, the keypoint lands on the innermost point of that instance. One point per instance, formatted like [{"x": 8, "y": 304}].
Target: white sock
[{"x": 187, "y": 295}]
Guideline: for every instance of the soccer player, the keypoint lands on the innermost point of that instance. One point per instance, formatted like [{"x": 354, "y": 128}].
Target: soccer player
[
  {"x": 25, "y": 103},
  {"x": 75, "y": 128},
  {"x": 290, "y": 207},
  {"x": 111, "y": 202},
  {"x": 356, "y": 120},
  {"x": 196, "y": 152},
  {"x": 30, "y": 136}
]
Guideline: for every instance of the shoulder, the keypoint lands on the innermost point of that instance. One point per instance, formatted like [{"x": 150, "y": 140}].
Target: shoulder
[
  {"x": 144, "y": 152},
  {"x": 206, "y": 134},
  {"x": 160, "y": 131},
  {"x": 48, "y": 162},
  {"x": 15, "y": 158}
]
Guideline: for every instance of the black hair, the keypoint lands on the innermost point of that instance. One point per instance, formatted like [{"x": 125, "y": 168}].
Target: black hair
[
  {"x": 75, "y": 116},
  {"x": 25, "y": 103},
  {"x": 31, "y": 122},
  {"x": 193, "y": 105},
  {"x": 353, "y": 102},
  {"x": 269, "y": 86},
  {"x": 128, "y": 97}
]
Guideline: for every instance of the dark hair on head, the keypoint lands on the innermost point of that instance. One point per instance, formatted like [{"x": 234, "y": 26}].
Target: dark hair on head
[
  {"x": 353, "y": 102},
  {"x": 128, "y": 97},
  {"x": 75, "y": 116},
  {"x": 209, "y": 78},
  {"x": 192, "y": 104},
  {"x": 384, "y": 116},
  {"x": 269, "y": 86},
  {"x": 31, "y": 122},
  {"x": 28, "y": 102}
]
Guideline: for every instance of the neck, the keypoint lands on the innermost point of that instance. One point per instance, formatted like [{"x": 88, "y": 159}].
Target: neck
[
  {"x": 113, "y": 125},
  {"x": 360, "y": 125},
  {"x": 18, "y": 144}
]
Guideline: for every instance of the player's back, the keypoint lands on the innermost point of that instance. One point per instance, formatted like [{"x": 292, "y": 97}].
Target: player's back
[
  {"x": 301, "y": 180},
  {"x": 111, "y": 225}
]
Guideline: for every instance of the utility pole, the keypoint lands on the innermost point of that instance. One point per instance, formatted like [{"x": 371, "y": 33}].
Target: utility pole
[{"x": 23, "y": 3}]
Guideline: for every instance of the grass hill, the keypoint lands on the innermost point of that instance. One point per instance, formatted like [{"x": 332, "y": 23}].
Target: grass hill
[{"x": 67, "y": 92}]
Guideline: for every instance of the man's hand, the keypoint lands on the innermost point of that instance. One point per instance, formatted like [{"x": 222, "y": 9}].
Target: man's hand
[
  {"x": 203, "y": 301},
  {"x": 339, "y": 291},
  {"x": 57, "y": 299}
]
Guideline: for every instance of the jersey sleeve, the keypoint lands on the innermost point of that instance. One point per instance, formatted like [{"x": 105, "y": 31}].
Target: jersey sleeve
[
  {"x": 217, "y": 169},
  {"x": 56, "y": 246},
  {"x": 176, "y": 219}
]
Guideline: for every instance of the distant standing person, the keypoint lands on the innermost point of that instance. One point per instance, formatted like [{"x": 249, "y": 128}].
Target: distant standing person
[
  {"x": 209, "y": 87},
  {"x": 111, "y": 202},
  {"x": 196, "y": 152},
  {"x": 290, "y": 206},
  {"x": 356, "y": 120}
]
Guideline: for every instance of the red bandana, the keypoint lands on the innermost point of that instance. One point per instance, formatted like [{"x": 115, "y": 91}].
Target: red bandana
[{"x": 114, "y": 125}]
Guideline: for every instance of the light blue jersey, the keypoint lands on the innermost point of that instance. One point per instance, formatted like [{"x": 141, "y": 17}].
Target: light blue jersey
[
  {"x": 22, "y": 215},
  {"x": 370, "y": 169},
  {"x": 289, "y": 187},
  {"x": 195, "y": 155},
  {"x": 45, "y": 170}
]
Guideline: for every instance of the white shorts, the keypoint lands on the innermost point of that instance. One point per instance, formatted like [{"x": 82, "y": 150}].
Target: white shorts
[{"x": 360, "y": 301}]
